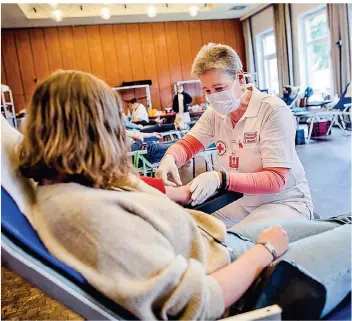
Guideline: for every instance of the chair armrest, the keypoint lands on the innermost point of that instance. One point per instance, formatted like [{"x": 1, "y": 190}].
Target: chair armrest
[
  {"x": 271, "y": 313},
  {"x": 137, "y": 152},
  {"x": 217, "y": 201}
]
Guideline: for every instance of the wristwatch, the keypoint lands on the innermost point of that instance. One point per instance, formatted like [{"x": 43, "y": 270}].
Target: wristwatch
[{"x": 270, "y": 248}]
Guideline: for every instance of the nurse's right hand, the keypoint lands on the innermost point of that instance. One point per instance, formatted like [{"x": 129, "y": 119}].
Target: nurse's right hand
[{"x": 168, "y": 167}]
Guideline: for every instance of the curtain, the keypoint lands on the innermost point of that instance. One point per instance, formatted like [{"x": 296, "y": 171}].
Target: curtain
[
  {"x": 340, "y": 45},
  {"x": 249, "y": 48},
  {"x": 283, "y": 40}
]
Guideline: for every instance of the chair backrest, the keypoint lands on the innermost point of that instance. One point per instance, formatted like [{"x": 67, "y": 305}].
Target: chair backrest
[
  {"x": 21, "y": 190},
  {"x": 295, "y": 94},
  {"x": 346, "y": 98},
  {"x": 17, "y": 199},
  {"x": 15, "y": 225}
]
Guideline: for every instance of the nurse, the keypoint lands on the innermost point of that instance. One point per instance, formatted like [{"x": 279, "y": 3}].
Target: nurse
[{"x": 254, "y": 135}]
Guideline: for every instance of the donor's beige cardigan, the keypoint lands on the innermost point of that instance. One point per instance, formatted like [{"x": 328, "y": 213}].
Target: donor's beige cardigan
[{"x": 137, "y": 247}]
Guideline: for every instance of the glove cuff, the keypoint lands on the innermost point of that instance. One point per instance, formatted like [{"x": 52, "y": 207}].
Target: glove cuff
[{"x": 218, "y": 179}]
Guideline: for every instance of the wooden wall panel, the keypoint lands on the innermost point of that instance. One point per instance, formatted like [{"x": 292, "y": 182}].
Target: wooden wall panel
[
  {"x": 196, "y": 44},
  {"x": 234, "y": 38},
  {"x": 207, "y": 32},
  {"x": 136, "y": 57},
  {"x": 12, "y": 68},
  {"x": 123, "y": 55},
  {"x": 68, "y": 52},
  {"x": 218, "y": 31},
  {"x": 3, "y": 73},
  {"x": 53, "y": 49},
  {"x": 123, "y": 52},
  {"x": 25, "y": 59},
  {"x": 161, "y": 52},
  {"x": 110, "y": 55},
  {"x": 240, "y": 45},
  {"x": 40, "y": 59},
  {"x": 173, "y": 49},
  {"x": 162, "y": 63},
  {"x": 151, "y": 70},
  {"x": 95, "y": 51},
  {"x": 187, "y": 58},
  {"x": 135, "y": 49},
  {"x": 81, "y": 48}
]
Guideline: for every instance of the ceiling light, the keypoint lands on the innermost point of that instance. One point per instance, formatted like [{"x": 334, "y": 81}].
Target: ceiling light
[
  {"x": 57, "y": 15},
  {"x": 193, "y": 11},
  {"x": 151, "y": 12},
  {"x": 105, "y": 13}
]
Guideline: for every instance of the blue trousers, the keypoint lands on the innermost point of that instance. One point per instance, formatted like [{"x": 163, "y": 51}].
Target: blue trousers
[{"x": 322, "y": 248}]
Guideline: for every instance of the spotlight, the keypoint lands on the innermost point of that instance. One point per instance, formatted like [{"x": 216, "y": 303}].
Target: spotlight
[
  {"x": 57, "y": 15},
  {"x": 151, "y": 12},
  {"x": 193, "y": 11},
  {"x": 105, "y": 13}
]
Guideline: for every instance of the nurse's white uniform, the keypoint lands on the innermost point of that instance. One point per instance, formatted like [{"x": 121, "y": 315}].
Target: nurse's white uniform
[{"x": 263, "y": 137}]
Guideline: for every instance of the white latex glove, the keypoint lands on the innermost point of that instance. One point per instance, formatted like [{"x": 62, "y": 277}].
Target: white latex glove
[
  {"x": 168, "y": 167},
  {"x": 204, "y": 186}
]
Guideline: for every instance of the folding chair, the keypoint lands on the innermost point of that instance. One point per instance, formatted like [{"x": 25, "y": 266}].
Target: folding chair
[
  {"x": 341, "y": 109},
  {"x": 173, "y": 135},
  {"x": 147, "y": 167},
  {"x": 24, "y": 253},
  {"x": 296, "y": 93},
  {"x": 207, "y": 154}
]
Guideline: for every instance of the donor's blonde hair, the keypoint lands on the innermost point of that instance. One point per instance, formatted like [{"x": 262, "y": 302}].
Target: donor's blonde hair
[{"x": 74, "y": 130}]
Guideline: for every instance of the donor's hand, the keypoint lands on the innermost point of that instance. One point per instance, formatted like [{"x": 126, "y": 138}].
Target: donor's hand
[{"x": 277, "y": 237}]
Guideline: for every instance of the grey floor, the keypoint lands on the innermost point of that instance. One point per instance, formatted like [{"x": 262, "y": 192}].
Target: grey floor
[{"x": 327, "y": 163}]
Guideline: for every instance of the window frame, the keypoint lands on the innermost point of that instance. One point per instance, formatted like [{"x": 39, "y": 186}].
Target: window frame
[
  {"x": 305, "y": 44},
  {"x": 263, "y": 58}
]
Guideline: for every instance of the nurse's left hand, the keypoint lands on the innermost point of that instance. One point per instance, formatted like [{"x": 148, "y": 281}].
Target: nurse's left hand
[{"x": 204, "y": 186}]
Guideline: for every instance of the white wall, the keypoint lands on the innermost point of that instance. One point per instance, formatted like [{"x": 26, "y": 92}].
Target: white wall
[
  {"x": 260, "y": 23},
  {"x": 296, "y": 10}
]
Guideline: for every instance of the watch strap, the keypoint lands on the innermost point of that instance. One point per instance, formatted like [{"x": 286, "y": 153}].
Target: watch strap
[{"x": 270, "y": 248}]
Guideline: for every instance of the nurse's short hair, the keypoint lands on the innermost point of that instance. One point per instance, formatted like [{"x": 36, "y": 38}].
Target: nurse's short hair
[{"x": 216, "y": 56}]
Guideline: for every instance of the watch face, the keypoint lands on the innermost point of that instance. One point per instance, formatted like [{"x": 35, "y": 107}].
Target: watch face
[{"x": 270, "y": 247}]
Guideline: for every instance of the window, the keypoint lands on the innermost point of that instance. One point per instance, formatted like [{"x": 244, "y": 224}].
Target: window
[
  {"x": 315, "y": 51},
  {"x": 268, "y": 74}
]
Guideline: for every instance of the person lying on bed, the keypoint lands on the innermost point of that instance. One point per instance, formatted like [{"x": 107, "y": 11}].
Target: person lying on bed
[{"x": 132, "y": 242}]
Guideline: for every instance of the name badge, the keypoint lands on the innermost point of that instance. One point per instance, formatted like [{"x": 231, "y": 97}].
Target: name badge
[
  {"x": 234, "y": 161},
  {"x": 250, "y": 138}
]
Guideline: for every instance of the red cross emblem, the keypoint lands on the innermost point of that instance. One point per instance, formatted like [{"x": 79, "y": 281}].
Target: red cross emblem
[{"x": 221, "y": 148}]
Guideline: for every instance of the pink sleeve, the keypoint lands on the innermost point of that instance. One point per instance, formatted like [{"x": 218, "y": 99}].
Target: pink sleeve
[
  {"x": 268, "y": 181},
  {"x": 185, "y": 149}
]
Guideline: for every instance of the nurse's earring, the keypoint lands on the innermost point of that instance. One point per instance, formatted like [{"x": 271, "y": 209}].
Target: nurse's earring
[{"x": 242, "y": 82}]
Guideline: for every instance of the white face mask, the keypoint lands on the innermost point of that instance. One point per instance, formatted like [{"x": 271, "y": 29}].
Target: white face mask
[{"x": 224, "y": 102}]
